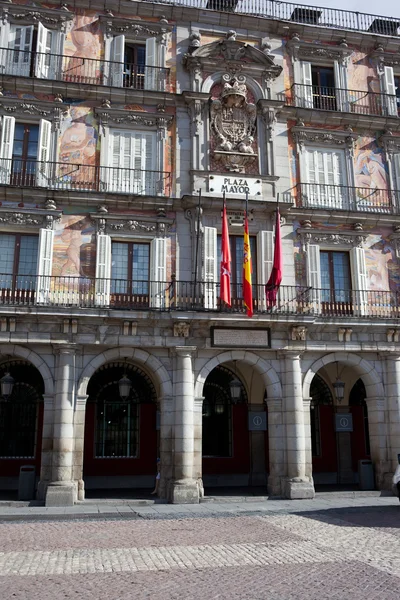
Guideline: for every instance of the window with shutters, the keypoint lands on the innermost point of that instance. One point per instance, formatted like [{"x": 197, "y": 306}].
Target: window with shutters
[
  {"x": 130, "y": 273},
  {"x": 131, "y": 162},
  {"x": 18, "y": 265},
  {"x": 397, "y": 90},
  {"x": 323, "y": 83},
  {"x": 335, "y": 282},
  {"x": 133, "y": 64},
  {"x": 324, "y": 178},
  {"x": 31, "y": 51},
  {"x": 390, "y": 89},
  {"x": 321, "y": 86},
  {"x": 236, "y": 244}
]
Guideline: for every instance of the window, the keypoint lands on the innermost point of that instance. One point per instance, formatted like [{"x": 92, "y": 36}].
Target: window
[
  {"x": 236, "y": 244},
  {"x": 132, "y": 160},
  {"x": 32, "y": 51},
  {"x": 323, "y": 82},
  {"x": 322, "y": 86},
  {"x": 133, "y": 64},
  {"x": 24, "y": 153},
  {"x": 18, "y": 262},
  {"x": 390, "y": 89},
  {"x": 130, "y": 271},
  {"x": 326, "y": 178},
  {"x": 397, "y": 87},
  {"x": 335, "y": 282}
]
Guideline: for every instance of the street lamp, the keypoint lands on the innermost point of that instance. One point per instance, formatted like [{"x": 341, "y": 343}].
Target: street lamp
[
  {"x": 338, "y": 386},
  {"x": 6, "y": 384},
  {"x": 236, "y": 388},
  {"x": 124, "y": 385}
]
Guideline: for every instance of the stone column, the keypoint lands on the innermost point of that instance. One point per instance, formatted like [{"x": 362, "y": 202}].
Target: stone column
[
  {"x": 185, "y": 489},
  {"x": 79, "y": 440},
  {"x": 343, "y": 438},
  {"x": 393, "y": 403},
  {"x": 166, "y": 446},
  {"x": 298, "y": 485},
  {"x": 307, "y": 438},
  {"x": 62, "y": 491},
  {"x": 47, "y": 446},
  {"x": 277, "y": 444},
  {"x": 258, "y": 473},
  {"x": 198, "y": 444},
  {"x": 378, "y": 436}
]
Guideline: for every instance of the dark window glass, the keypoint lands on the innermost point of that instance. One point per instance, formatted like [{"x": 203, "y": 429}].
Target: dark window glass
[
  {"x": 130, "y": 268},
  {"x": 323, "y": 81},
  {"x": 335, "y": 277},
  {"x": 25, "y": 151},
  {"x": 18, "y": 261}
]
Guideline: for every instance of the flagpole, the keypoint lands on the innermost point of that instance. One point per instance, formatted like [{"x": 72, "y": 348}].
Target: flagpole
[{"x": 197, "y": 245}]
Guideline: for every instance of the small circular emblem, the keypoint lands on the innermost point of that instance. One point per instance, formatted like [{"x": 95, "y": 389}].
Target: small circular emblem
[
  {"x": 257, "y": 421},
  {"x": 344, "y": 422}
]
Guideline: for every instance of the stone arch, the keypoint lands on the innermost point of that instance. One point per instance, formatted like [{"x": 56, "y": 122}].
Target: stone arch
[
  {"x": 150, "y": 363},
  {"x": 372, "y": 381},
  {"x": 262, "y": 366},
  {"x": 35, "y": 360},
  {"x": 253, "y": 85}
]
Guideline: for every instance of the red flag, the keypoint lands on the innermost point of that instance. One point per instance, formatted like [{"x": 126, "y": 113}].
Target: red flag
[
  {"x": 247, "y": 270},
  {"x": 274, "y": 281},
  {"x": 225, "y": 273}
]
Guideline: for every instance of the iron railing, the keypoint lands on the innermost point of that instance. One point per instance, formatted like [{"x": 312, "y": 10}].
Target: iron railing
[
  {"x": 299, "y": 13},
  {"x": 78, "y": 69},
  {"x": 358, "y": 102},
  {"x": 88, "y": 178},
  {"x": 341, "y": 197},
  {"x": 121, "y": 294}
]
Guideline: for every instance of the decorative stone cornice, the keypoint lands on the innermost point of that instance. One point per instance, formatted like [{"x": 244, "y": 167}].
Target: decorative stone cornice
[
  {"x": 52, "y": 111},
  {"x": 110, "y": 116},
  {"x": 300, "y": 50},
  {"x": 325, "y": 137},
  {"x": 389, "y": 142},
  {"x": 196, "y": 103},
  {"x": 383, "y": 59},
  {"x": 308, "y": 235},
  {"x": 127, "y": 224},
  {"x": 29, "y": 218},
  {"x": 25, "y": 15},
  {"x": 269, "y": 111},
  {"x": 115, "y": 26}
]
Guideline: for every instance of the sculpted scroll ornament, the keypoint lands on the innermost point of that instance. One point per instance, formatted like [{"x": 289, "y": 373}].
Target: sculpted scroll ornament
[{"x": 233, "y": 124}]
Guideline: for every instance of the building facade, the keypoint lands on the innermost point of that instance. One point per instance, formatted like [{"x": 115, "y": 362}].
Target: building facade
[{"x": 121, "y": 129}]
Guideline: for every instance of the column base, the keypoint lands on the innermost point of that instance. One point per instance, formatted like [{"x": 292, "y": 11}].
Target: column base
[
  {"x": 61, "y": 493},
  {"x": 276, "y": 486},
  {"x": 299, "y": 489},
  {"x": 185, "y": 491}
]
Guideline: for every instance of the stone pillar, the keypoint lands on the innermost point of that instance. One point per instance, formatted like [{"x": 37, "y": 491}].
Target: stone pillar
[
  {"x": 393, "y": 403},
  {"x": 298, "y": 485},
  {"x": 47, "y": 446},
  {"x": 258, "y": 473},
  {"x": 307, "y": 438},
  {"x": 62, "y": 491},
  {"x": 378, "y": 436},
  {"x": 345, "y": 465},
  {"x": 79, "y": 440},
  {"x": 277, "y": 444},
  {"x": 184, "y": 489},
  {"x": 166, "y": 446},
  {"x": 198, "y": 444}
]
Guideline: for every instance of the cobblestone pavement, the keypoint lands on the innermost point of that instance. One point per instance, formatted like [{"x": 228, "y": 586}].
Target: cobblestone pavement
[{"x": 347, "y": 552}]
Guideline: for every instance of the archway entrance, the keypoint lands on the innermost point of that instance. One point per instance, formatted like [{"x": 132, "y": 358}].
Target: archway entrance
[
  {"x": 21, "y": 422},
  {"x": 235, "y": 454},
  {"x": 121, "y": 437},
  {"x": 339, "y": 432}
]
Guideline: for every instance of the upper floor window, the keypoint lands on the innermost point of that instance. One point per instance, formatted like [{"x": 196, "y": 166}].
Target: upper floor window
[
  {"x": 133, "y": 64},
  {"x": 130, "y": 271},
  {"x": 335, "y": 281},
  {"x": 321, "y": 86},
  {"x": 18, "y": 262},
  {"x": 390, "y": 87},
  {"x": 324, "y": 178},
  {"x": 323, "y": 82},
  {"x": 236, "y": 244}
]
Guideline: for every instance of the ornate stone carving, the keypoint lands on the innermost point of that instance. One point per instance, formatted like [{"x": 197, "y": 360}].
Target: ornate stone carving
[
  {"x": 118, "y": 117},
  {"x": 195, "y": 109},
  {"x": 51, "y": 19},
  {"x": 181, "y": 329},
  {"x": 195, "y": 42},
  {"x": 318, "y": 52},
  {"x": 233, "y": 124},
  {"x": 395, "y": 239},
  {"x": 20, "y": 219},
  {"x": 384, "y": 59},
  {"x": 306, "y": 135},
  {"x": 133, "y": 226},
  {"x": 299, "y": 333},
  {"x": 344, "y": 335},
  {"x": 393, "y": 335},
  {"x": 308, "y": 236},
  {"x": 133, "y": 28},
  {"x": 47, "y": 111},
  {"x": 389, "y": 142}
]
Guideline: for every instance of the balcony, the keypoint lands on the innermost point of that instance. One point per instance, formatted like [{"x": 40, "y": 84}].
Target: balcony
[
  {"x": 83, "y": 178},
  {"x": 299, "y": 13},
  {"x": 340, "y": 197},
  {"x": 69, "y": 293},
  {"x": 357, "y": 102},
  {"x": 80, "y": 70}
]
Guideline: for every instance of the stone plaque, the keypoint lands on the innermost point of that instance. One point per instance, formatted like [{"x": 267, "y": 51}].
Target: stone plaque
[
  {"x": 257, "y": 421},
  {"x": 344, "y": 422},
  {"x": 234, "y": 185},
  {"x": 229, "y": 337}
]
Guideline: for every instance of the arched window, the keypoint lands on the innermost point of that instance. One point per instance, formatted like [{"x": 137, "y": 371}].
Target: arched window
[
  {"x": 217, "y": 413},
  {"x": 117, "y": 419},
  {"x": 357, "y": 398},
  {"x": 320, "y": 395}
]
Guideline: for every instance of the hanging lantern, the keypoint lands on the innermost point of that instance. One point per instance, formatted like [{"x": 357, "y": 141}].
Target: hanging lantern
[
  {"x": 236, "y": 390},
  {"x": 338, "y": 386},
  {"x": 7, "y": 385},
  {"x": 125, "y": 386}
]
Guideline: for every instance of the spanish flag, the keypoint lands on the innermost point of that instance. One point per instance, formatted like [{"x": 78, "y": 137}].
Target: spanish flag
[{"x": 247, "y": 269}]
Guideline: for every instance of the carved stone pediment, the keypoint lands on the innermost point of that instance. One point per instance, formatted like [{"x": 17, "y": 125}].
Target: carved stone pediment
[
  {"x": 308, "y": 235},
  {"x": 28, "y": 218},
  {"x": 114, "y": 224},
  {"x": 110, "y": 116},
  {"x": 27, "y": 15},
  {"x": 135, "y": 29},
  {"x": 300, "y": 50},
  {"x": 384, "y": 59},
  {"x": 323, "y": 137},
  {"x": 231, "y": 55},
  {"x": 389, "y": 142},
  {"x": 52, "y": 111}
]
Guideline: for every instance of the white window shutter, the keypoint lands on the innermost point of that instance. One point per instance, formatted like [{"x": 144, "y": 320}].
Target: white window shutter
[
  {"x": 6, "y": 148},
  {"x": 44, "y": 266},
  {"x": 20, "y": 40},
  {"x": 210, "y": 267},
  {"x": 103, "y": 270},
  {"x": 306, "y": 88},
  {"x": 314, "y": 276},
  {"x": 390, "y": 90},
  {"x": 265, "y": 255},
  {"x": 396, "y": 176},
  {"x": 341, "y": 86},
  {"x": 158, "y": 272},
  {"x": 44, "y": 154},
  {"x": 117, "y": 61},
  {"x": 151, "y": 183},
  {"x": 47, "y": 47},
  {"x": 150, "y": 78},
  {"x": 359, "y": 277}
]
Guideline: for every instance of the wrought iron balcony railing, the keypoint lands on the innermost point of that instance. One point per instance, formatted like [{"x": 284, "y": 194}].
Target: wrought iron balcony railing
[
  {"x": 299, "y": 13},
  {"x": 340, "y": 197},
  {"x": 87, "y": 178},
  {"x": 357, "y": 102},
  {"x": 120, "y": 294},
  {"x": 76, "y": 69}
]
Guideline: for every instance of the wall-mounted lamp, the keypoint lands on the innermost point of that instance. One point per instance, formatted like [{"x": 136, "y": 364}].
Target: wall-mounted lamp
[
  {"x": 6, "y": 385},
  {"x": 125, "y": 386}
]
